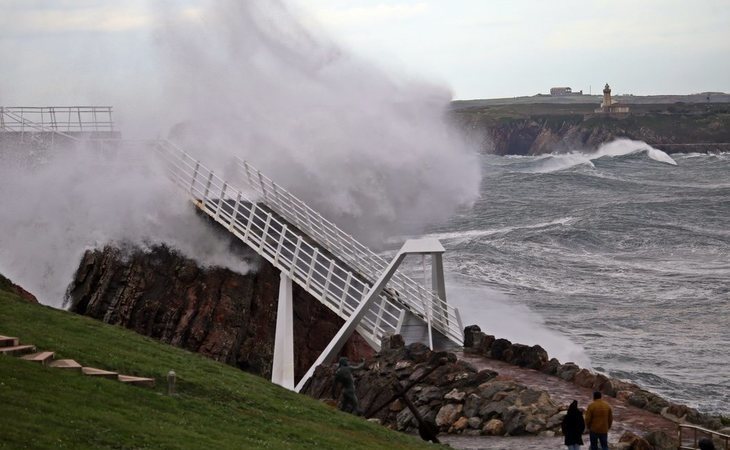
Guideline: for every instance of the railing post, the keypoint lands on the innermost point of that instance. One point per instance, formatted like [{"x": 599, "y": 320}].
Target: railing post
[
  {"x": 207, "y": 185},
  {"x": 195, "y": 175},
  {"x": 234, "y": 214},
  {"x": 311, "y": 268},
  {"x": 280, "y": 244},
  {"x": 220, "y": 201},
  {"x": 329, "y": 277},
  {"x": 295, "y": 256}
]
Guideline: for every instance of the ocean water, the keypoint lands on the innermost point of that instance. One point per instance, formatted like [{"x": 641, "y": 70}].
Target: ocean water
[{"x": 619, "y": 260}]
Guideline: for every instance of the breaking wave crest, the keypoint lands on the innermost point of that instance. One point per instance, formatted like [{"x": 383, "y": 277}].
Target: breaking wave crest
[{"x": 614, "y": 149}]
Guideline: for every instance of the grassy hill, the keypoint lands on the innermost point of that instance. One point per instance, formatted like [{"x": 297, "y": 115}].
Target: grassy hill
[{"x": 216, "y": 407}]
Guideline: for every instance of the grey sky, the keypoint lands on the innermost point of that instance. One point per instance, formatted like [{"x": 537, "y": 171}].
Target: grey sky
[{"x": 68, "y": 51}]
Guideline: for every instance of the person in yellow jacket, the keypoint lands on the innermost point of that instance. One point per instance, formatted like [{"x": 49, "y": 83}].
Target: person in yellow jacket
[{"x": 599, "y": 418}]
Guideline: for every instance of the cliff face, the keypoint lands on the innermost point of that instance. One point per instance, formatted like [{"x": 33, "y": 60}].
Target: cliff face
[
  {"x": 222, "y": 314},
  {"x": 538, "y": 129}
]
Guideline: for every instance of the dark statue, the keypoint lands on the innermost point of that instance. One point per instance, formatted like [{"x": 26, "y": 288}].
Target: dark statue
[{"x": 343, "y": 376}]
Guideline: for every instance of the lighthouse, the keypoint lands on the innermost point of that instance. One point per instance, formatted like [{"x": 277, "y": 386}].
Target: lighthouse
[
  {"x": 606, "y": 97},
  {"x": 608, "y": 106}
]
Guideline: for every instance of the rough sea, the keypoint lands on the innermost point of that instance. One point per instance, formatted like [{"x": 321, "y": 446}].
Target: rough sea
[{"x": 618, "y": 260}]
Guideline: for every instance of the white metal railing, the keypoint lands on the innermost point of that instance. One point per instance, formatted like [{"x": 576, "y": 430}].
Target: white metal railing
[
  {"x": 327, "y": 279},
  {"x": 56, "y": 118},
  {"x": 416, "y": 297}
]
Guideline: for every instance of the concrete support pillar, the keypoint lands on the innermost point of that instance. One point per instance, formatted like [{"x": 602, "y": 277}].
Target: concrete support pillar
[{"x": 282, "y": 371}]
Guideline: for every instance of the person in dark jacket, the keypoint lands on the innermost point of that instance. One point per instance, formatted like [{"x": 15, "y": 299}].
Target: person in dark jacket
[{"x": 573, "y": 426}]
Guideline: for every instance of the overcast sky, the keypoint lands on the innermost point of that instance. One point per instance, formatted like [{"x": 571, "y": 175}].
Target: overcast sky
[{"x": 53, "y": 51}]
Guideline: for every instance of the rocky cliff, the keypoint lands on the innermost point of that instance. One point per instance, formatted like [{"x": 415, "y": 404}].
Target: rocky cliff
[
  {"x": 224, "y": 315},
  {"x": 538, "y": 129}
]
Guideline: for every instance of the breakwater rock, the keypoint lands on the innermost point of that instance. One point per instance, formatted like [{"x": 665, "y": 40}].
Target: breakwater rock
[
  {"x": 447, "y": 393},
  {"x": 536, "y": 358},
  {"x": 498, "y": 388},
  {"x": 227, "y": 316}
]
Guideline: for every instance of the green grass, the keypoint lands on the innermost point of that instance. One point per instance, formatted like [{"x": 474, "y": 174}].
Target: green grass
[{"x": 216, "y": 407}]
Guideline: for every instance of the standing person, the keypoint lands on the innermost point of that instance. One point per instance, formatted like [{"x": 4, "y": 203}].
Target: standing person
[
  {"x": 573, "y": 426},
  {"x": 599, "y": 418}
]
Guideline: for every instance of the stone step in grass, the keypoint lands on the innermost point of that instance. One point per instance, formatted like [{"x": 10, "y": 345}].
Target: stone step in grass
[
  {"x": 137, "y": 381},
  {"x": 41, "y": 357},
  {"x": 65, "y": 364},
  {"x": 7, "y": 341},
  {"x": 17, "y": 350},
  {"x": 94, "y": 372}
]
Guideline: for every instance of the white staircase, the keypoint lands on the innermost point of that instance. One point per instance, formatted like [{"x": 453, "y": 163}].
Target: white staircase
[
  {"x": 292, "y": 252},
  {"x": 292, "y": 236},
  {"x": 423, "y": 304}
]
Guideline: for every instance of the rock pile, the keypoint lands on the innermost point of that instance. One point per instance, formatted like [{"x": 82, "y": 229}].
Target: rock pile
[{"x": 446, "y": 392}]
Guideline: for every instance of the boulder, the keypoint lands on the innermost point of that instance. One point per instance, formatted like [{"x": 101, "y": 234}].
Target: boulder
[
  {"x": 494, "y": 427},
  {"x": 455, "y": 396},
  {"x": 448, "y": 414},
  {"x": 460, "y": 425},
  {"x": 584, "y": 377},
  {"x": 469, "y": 334},
  {"x": 634, "y": 442},
  {"x": 493, "y": 410},
  {"x": 475, "y": 422},
  {"x": 567, "y": 371},
  {"x": 471, "y": 405},
  {"x": 501, "y": 350},
  {"x": 555, "y": 420},
  {"x": 534, "y": 357},
  {"x": 551, "y": 367},
  {"x": 661, "y": 440},
  {"x": 515, "y": 421},
  {"x": 484, "y": 346}
]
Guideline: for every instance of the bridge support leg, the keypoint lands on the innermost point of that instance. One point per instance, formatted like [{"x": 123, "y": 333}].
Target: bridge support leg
[
  {"x": 282, "y": 371},
  {"x": 437, "y": 275},
  {"x": 438, "y": 287},
  {"x": 411, "y": 247},
  {"x": 337, "y": 342}
]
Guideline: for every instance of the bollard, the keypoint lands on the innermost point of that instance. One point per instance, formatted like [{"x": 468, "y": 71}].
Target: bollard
[{"x": 171, "y": 378}]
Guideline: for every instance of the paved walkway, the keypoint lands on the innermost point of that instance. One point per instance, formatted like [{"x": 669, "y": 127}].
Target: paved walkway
[{"x": 626, "y": 417}]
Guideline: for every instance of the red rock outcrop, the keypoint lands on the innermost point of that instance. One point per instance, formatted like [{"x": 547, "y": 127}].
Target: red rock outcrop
[{"x": 214, "y": 311}]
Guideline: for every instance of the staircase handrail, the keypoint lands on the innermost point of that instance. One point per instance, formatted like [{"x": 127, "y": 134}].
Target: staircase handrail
[
  {"x": 332, "y": 283},
  {"x": 699, "y": 430},
  {"x": 413, "y": 295}
]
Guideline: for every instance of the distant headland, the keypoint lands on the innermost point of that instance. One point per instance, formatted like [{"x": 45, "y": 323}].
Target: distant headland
[{"x": 568, "y": 121}]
